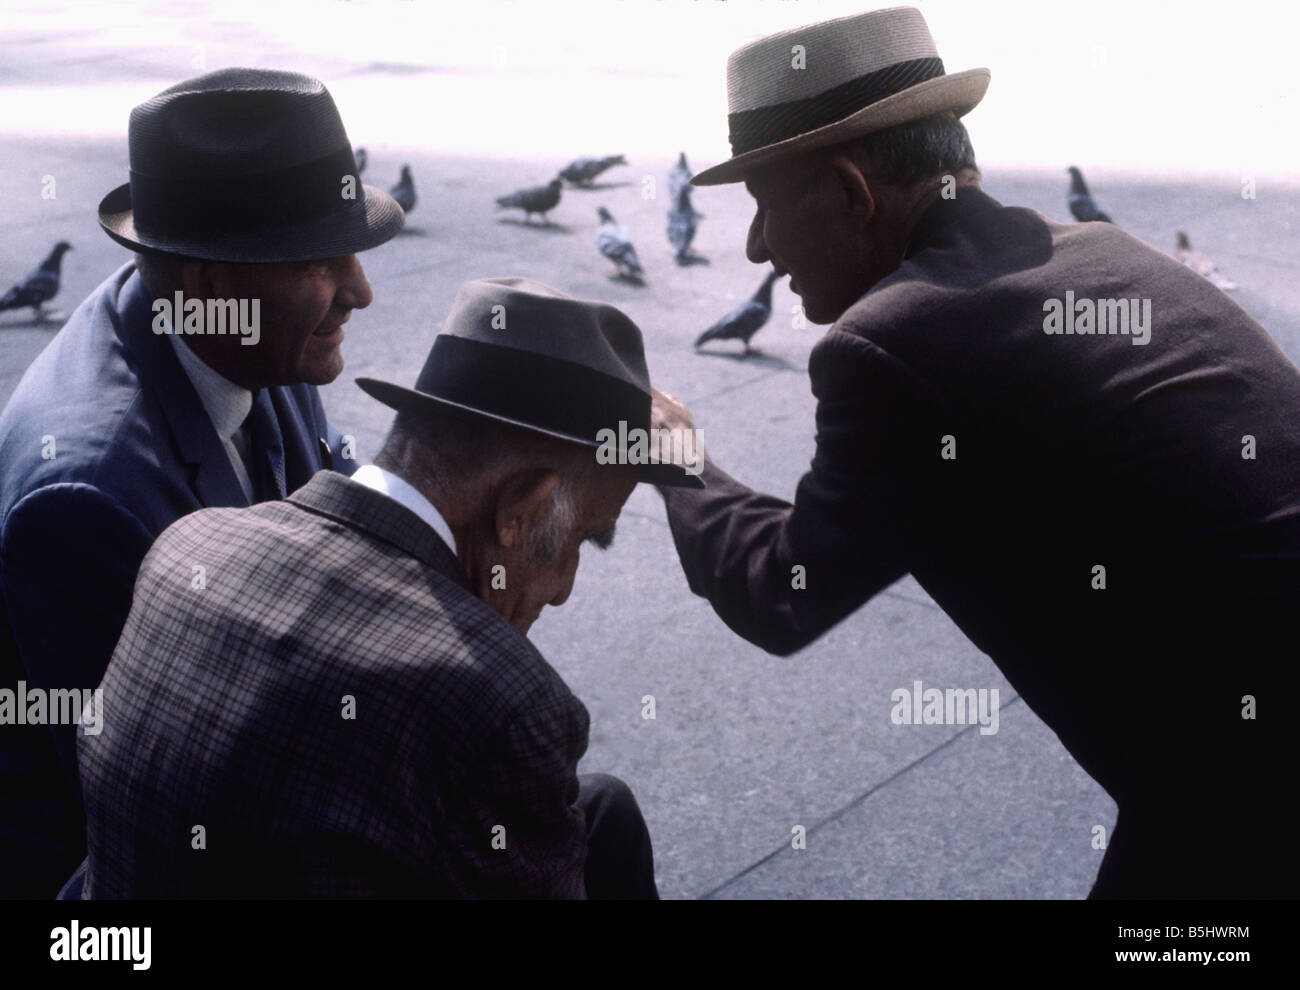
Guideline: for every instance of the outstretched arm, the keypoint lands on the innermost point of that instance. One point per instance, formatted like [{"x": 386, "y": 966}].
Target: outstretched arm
[{"x": 781, "y": 574}]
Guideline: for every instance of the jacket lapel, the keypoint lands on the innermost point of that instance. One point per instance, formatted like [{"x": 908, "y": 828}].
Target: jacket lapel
[
  {"x": 198, "y": 446},
  {"x": 303, "y": 455}
]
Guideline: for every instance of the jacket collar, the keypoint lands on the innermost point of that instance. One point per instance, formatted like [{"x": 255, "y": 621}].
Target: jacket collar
[
  {"x": 339, "y": 497},
  {"x": 967, "y": 201},
  {"x": 162, "y": 377}
]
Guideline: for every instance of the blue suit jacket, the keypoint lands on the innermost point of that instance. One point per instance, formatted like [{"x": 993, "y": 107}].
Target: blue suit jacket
[{"x": 103, "y": 445}]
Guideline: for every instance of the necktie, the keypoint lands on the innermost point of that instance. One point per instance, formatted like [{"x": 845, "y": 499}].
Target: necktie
[{"x": 266, "y": 449}]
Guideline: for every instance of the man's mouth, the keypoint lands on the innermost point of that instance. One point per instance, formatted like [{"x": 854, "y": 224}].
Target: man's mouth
[{"x": 330, "y": 328}]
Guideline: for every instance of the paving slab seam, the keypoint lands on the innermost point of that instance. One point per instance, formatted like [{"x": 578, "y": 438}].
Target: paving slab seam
[{"x": 840, "y": 812}]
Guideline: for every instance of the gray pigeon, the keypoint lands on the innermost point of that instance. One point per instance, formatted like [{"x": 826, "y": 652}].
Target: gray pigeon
[
  {"x": 1080, "y": 200},
  {"x": 404, "y": 191},
  {"x": 40, "y": 286},
  {"x": 1200, "y": 262},
  {"x": 538, "y": 199},
  {"x": 682, "y": 221},
  {"x": 581, "y": 171},
  {"x": 613, "y": 242},
  {"x": 678, "y": 177},
  {"x": 359, "y": 154},
  {"x": 746, "y": 319}
]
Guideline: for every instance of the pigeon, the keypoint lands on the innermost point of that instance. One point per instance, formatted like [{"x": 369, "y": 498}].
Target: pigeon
[
  {"x": 682, "y": 221},
  {"x": 679, "y": 176},
  {"x": 1080, "y": 200},
  {"x": 613, "y": 243},
  {"x": 538, "y": 199},
  {"x": 404, "y": 191},
  {"x": 40, "y": 286},
  {"x": 581, "y": 171},
  {"x": 360, "y": 155},
  {"x": 1200, "y": 263},
  {"x": 746, "y": 319}
]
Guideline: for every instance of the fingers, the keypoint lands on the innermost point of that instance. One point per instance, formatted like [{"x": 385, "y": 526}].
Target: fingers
[{"x": 668, "y": 412}]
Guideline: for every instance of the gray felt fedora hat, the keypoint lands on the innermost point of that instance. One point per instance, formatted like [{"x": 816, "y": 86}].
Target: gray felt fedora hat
[
  {"x": 523, "y": 353},
  {"x": 819, "y": 85},
  {"x": 245, "y": 165}
]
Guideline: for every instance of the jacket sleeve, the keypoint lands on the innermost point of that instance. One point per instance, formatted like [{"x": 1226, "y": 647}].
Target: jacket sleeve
[
  {"x": 70, "y": 554},
  {"x": 781, "y": 574},
  {"x": 528, "y": 838}
]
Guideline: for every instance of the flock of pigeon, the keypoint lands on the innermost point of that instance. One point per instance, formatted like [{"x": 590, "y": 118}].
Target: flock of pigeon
[
  {"x": 613, "y": 242},
  {"x": 611, "y": 239}
]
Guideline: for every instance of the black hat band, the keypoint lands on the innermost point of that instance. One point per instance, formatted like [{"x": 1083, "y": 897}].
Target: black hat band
[
  {"x": 757, "y": 128},
  {"x": 204, "y": 207},
  {"x": 531, "y": 388}
]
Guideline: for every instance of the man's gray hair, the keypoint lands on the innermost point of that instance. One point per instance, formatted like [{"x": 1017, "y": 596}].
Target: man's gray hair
[
  {"x": 918, "y": 150},
  {"x": 449, "y": 454}
]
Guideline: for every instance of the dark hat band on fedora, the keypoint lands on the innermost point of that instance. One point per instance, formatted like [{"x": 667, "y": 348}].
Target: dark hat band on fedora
[
  {"x": 265, "y": 200},
  {"x": 750, "y": 129},
  {"x": 522, "y": 353},
  {"x": 533, "y": 388}
]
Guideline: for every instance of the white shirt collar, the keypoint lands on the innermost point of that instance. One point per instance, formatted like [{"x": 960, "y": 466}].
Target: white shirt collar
[
  {"x": 373, "y": 476},
  {"x": 226, "y": 403}
]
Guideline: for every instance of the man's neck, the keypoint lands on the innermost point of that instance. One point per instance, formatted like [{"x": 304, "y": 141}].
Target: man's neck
[{"x": 928, "y": 192}]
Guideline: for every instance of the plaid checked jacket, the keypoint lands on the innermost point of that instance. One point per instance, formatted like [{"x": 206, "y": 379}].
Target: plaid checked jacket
[{"x": 227, "y": 703}]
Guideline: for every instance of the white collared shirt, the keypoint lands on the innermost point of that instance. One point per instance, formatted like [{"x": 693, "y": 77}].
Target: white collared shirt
[
  {"x": 373, "y": 476},
  {"x": 226, "y": 404}
]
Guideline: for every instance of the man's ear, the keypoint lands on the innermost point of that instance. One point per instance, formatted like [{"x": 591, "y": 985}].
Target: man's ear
[
  {"x": 852, "y": 184},
  {"x": 523, "y": 501}
]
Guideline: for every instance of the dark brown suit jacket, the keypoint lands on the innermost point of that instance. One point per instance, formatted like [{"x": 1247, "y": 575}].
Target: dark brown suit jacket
[
  {"x": 225, "y": 706},
  {"x": 1071, "y": 451}
]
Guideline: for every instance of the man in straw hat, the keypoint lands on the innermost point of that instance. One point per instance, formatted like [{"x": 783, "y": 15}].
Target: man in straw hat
[
  {"x": 1085, "y": 453},
  {"x": 353, "y": 708},
  {"x": 187, "y": 379}
]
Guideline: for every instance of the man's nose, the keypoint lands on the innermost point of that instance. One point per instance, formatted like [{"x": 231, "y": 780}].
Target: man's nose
[
  {"x": 354, "y": 290},
  {"x": 755, "y": 246}
]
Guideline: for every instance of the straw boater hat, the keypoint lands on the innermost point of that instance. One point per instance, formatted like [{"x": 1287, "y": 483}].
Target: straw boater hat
[{"x": 860, "y": 74}]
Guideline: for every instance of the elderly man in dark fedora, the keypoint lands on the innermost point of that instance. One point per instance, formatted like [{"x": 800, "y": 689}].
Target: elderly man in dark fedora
[
  {"x": 187, "y": 379},
  {"x": 351, "y": 707},
  {"x": 1087, "y": 454}
]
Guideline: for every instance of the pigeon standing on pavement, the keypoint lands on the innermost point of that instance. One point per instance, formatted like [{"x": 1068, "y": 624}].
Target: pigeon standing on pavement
[
  {"x": 40, "y": 286},
  {"x": 404, "y": 191},
  {"x": 1080, "y": 200},
  {"x": 682, "y": 221},
  {"x": 746, "y": 319},
  {"x": 581, "y": 171},
  {"x": 360, "y": 155},
  {"x": 1199, "y": 262},
  {"x": 679, "y": 176},
  {"x": 613, "y": 242},
  {"x": 538, "y": 199}
]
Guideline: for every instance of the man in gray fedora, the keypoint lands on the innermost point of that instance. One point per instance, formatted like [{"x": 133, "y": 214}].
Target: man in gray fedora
[
  {"x": 187, "y": 379},
  {"x": 351, "y": 707},
  {"x": 1086, "y": 454}
]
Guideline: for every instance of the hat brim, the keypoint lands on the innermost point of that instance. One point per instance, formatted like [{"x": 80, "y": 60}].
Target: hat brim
[
  {"x": 960, "y": 92},
  {"x": 400, "y": 397},
  {"x": 367, "y": 223}
]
